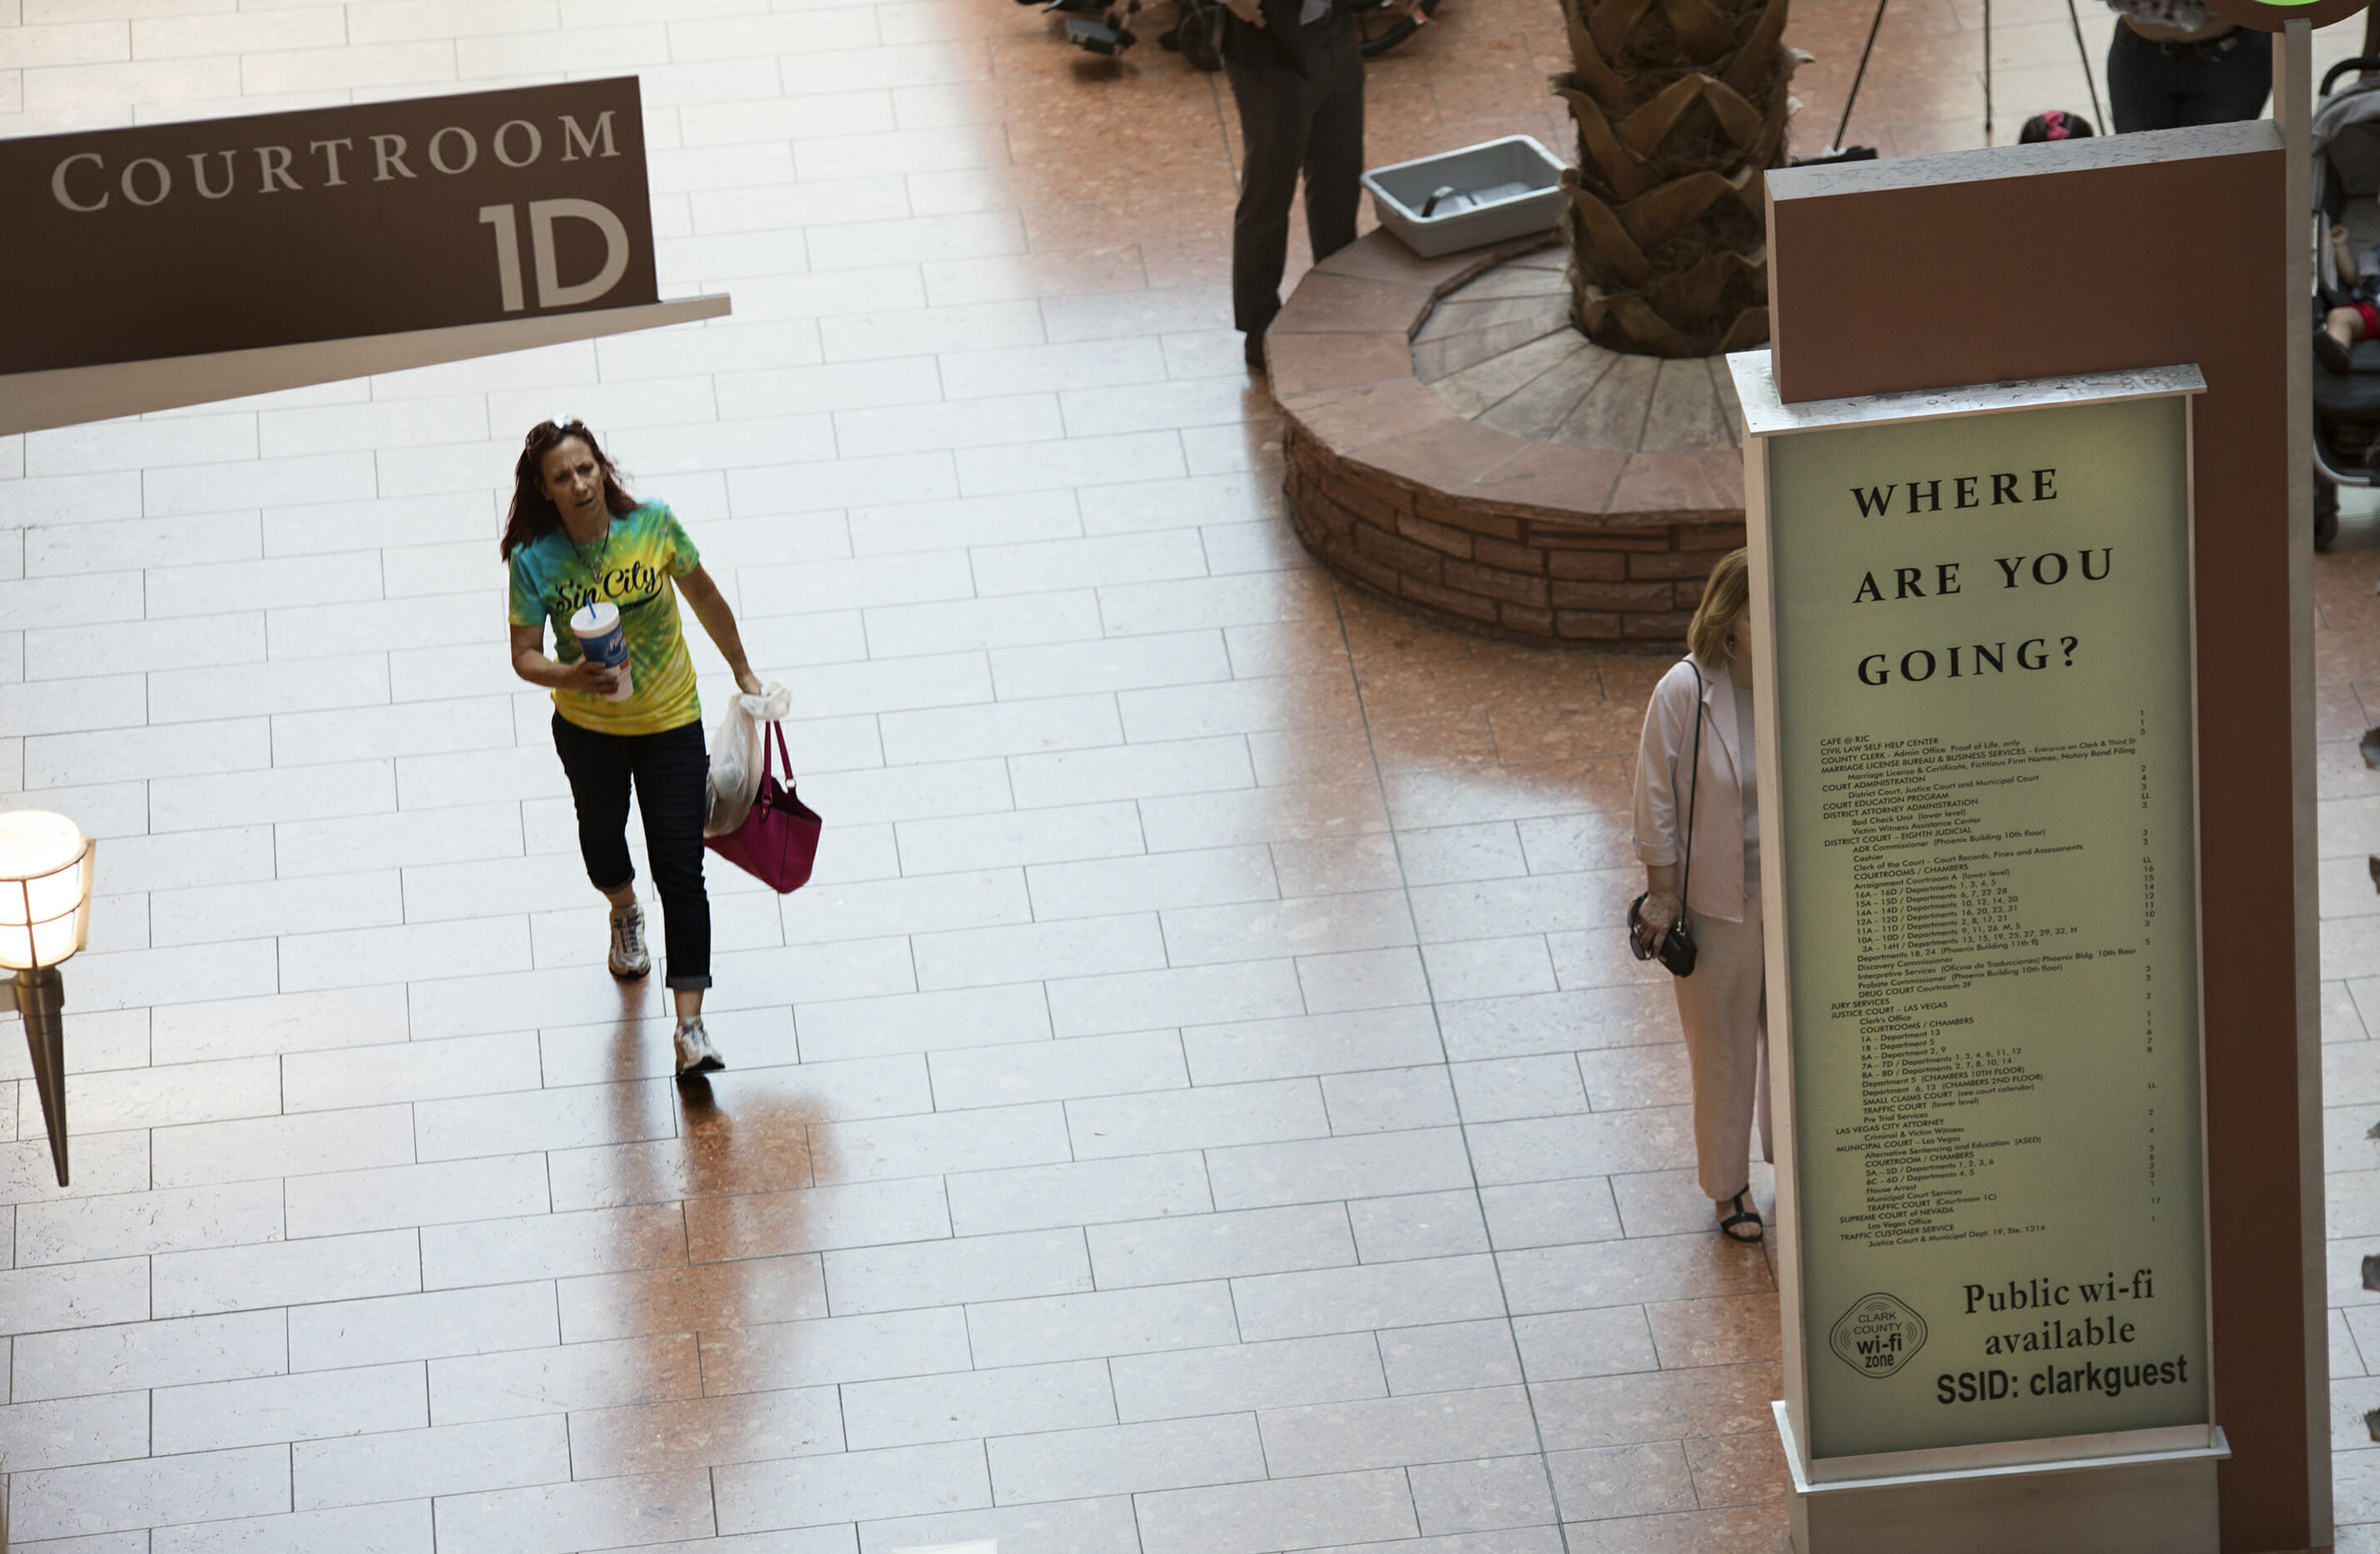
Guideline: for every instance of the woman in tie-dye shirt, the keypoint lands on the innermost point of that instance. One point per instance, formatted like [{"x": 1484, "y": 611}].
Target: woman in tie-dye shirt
[{"x": 575, "y": 537}]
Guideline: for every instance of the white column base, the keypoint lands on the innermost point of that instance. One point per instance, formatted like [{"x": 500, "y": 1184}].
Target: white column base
[{"x": 2158, "y": 1502}]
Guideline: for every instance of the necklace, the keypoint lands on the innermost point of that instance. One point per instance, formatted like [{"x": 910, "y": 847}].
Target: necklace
[{"x": 603, "y": 553}]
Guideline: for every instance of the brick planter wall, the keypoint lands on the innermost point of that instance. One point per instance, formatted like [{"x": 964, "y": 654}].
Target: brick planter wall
[{"x": 1462, "y": 524}]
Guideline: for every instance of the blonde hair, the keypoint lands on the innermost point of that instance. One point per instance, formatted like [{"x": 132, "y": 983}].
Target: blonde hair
[{"x": 1725, "y": 594}]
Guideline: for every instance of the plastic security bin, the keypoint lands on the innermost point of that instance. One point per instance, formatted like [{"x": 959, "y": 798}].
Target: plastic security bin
[{"x": 1487, "y": 193}]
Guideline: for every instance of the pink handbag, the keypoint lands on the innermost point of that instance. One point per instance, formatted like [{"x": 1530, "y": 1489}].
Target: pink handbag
[{"x": 778, "y": 841}]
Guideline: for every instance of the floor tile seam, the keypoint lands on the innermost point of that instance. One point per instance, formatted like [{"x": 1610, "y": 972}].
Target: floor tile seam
[
  {"x": 1471, "y": 1163},
  {"x": 1203, "y": 1482}
]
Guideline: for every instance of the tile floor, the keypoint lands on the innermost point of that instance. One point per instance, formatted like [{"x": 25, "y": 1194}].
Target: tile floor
[{"x": 1199, "y": 1108}]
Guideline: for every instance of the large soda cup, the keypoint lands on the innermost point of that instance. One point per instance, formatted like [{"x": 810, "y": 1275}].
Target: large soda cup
[{"x": 597, "y": 627}]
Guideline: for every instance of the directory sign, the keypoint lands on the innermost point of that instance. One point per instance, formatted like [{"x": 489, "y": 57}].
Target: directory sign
[{"x": 1983, "y": 771}]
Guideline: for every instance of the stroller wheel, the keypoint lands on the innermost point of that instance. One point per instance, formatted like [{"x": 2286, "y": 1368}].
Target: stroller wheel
[
  {"x": 2325, "y": 513},
  {"x": 1199, "y": 35}
]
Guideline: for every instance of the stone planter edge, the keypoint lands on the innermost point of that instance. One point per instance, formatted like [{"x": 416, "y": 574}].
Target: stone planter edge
[{"x": 1462, "y": 523}]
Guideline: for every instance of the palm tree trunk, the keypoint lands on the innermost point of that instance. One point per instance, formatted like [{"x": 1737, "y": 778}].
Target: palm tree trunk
[{"x": 1681, "y": 106}]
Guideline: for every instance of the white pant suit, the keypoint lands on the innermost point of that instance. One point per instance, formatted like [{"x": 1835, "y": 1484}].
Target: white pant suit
[{"x": 1724, "y": 1004}]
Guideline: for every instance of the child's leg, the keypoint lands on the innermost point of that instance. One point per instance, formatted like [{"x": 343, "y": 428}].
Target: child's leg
[{"x": 2341, "y": 327}]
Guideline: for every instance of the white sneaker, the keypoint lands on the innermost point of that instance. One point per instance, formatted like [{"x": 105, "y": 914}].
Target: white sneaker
[
  {"x": 628, "y": 960},
  {"x": 695, "y": 1053}
]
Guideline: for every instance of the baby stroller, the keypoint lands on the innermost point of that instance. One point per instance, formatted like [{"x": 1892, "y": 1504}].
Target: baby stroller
[{"x": 2347, "y": 180}]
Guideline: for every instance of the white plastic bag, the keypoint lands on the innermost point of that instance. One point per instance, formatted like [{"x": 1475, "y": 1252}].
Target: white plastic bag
[{"x": 734, "y": 779}]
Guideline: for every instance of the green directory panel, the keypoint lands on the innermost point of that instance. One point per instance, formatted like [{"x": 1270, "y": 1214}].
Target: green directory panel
[{"x": 1985, "y": 758}]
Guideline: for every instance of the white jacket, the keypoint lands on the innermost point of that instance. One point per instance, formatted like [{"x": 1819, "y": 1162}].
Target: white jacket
[{"x": 1714, "y": 884}]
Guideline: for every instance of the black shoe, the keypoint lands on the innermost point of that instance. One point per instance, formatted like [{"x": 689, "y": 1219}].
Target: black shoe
[
  {"x": 1255, "y": 351},
  {"x": 1745, "y": 1223},
  {"x": 2330, "y": 352}
]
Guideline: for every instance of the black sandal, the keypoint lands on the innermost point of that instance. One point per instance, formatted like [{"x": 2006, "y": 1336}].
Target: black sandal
[{"x": 1742, "y": 1216}]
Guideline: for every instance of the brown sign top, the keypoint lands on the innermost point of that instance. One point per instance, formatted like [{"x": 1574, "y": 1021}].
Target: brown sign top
[{"x": 225, "y": 234}]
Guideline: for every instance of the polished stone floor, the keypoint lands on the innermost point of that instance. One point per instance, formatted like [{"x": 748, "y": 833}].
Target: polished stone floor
[
  {"x": 1201, "y": 1107},
  {"x": 2348, "y": 673}
]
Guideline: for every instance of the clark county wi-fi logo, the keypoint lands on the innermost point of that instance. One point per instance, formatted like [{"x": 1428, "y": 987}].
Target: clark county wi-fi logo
[{"x": 1879, "y": 1335}]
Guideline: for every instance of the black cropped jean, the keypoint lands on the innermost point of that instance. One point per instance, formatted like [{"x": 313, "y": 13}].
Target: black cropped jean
[{"x": 667, "y": 770}]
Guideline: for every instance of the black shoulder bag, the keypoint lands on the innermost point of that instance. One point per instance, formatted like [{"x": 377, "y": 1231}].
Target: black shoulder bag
[{"x": 1676, "y": 948}]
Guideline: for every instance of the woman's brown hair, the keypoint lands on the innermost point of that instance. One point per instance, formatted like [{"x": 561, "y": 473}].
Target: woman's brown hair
[
  {"x": 1724, "y": 596},
  {"x": 533, "y": 514}
]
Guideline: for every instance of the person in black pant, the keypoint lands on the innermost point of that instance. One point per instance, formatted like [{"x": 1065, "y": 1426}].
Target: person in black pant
[
  {"x": 2175, "y": 63},
  {"x": 1297, "y": 75}
]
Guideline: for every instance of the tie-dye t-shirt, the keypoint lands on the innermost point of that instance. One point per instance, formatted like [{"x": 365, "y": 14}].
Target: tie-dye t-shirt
[{"x": 554, "y": 578}]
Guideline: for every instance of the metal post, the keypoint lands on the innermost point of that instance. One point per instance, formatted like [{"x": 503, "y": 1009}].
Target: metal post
[
  {"x": 1857, "y": 77},
  {"x": 2099, "y": 124},
  {"x": 1988, "y": 72},
  {"x": 2293, "y": 107},
  {"x": 41, "y": 998}
]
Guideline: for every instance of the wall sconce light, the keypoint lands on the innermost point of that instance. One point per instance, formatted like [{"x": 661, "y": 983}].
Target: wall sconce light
[{"x": 45, "y": 870}]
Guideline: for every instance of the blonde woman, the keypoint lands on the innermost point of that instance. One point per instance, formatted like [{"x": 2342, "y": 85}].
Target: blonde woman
[{"x": 1723, "y": 1006}]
